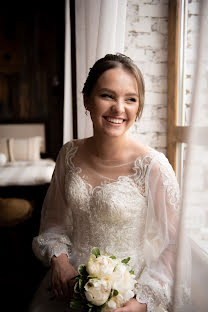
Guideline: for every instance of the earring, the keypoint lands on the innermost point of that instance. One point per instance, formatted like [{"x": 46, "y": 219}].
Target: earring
[{"x": 86, "y": 112}]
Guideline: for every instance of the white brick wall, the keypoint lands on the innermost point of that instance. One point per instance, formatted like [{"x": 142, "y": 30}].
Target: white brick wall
[
  {"x": 146, "y": 43},
  {"x": 197, "y": 181},
  {"x": 191, "y": 49}
]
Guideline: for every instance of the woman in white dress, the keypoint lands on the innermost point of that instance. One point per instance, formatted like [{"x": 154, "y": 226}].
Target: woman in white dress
[{"x": 112, "y": 192}]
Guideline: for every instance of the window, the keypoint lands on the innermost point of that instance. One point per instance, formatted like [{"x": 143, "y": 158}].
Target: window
[
  {"x": 187, "y": 145},
  {"x": 183, "y": 89}
]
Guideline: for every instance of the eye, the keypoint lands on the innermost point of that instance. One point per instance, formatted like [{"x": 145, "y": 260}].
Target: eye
[
  {"x": 105, "y": 95},
  {"x": 132, "y": 100}
]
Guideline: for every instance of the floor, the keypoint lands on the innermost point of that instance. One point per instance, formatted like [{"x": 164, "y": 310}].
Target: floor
[{"x": 20, "y": 271}]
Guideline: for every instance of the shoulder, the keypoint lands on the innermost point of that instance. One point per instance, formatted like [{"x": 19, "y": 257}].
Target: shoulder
[
  {"x": 156, "y": 160},
  {"x": 139, "y": 150},
  {"x": 161, "y": 174},
  {"x": 70, "y": 151},
  {"x": 160, "y": 164},
  {"x": 71, "y": 146},
  {"x": 65, "y": 150}
]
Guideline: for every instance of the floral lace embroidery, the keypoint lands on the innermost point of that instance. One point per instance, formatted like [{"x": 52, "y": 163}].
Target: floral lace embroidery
[
  {"x": 151, "y": 292},
  {"x": 112, "y": 216},
  {"x": 169, "y": 181},
  {"x": 146, "y": 296},
  {"x": 140, "y": 168},
  {"x": 41, "y": 242},
  {"x": 71, "y": 151},
  {"x": 108, "y": 210}
]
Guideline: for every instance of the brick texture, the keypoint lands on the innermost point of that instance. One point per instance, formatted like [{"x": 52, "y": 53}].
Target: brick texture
[{"x": 146, "y": 42}]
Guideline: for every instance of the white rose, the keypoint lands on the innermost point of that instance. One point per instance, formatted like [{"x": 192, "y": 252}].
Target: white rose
[
  {"x": 101, "y": 266},
  {"x": 97, "y": 291},
  {"x": 116, "y": 302},
  {"x": 123, "y": 281},
  {"x": 128, "y": 294},
  {"x": 119, "y": 271}
]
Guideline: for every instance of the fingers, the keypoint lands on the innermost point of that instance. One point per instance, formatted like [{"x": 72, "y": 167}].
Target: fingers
[
  {"x": 71, "y": 284},
  {"x": 59, "y": 290},
  {"x": 123, "y": 309},
  {"x": 61, "y": 276},
  {"x": 59, "y": 293},
  {"x": 63, "y": 290},
  {"x": 132, "y": 306}
]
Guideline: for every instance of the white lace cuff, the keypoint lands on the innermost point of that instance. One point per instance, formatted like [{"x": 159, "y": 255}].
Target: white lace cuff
[
  {"x": 57, "y": 250},
  {"x": 147, "y": 298},
  {"x": 46, "y": 247},
  {"x": 155, "y": 301}
]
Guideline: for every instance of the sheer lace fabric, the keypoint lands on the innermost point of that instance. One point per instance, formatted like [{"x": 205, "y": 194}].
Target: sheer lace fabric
[{"x": 134, "y": 215}]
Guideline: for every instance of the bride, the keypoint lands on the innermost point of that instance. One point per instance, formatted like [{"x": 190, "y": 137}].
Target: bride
[{"x": 112, "y": 192}]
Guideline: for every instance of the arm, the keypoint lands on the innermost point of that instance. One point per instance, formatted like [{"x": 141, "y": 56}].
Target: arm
[
  {"x": 162, "y": 222},
  {"x": 56, "y": 218},
  {"x": 53, "y": 245}
]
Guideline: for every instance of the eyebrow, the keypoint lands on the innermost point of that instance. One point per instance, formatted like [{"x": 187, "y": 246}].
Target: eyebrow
[{"x": 109, "y": 90}]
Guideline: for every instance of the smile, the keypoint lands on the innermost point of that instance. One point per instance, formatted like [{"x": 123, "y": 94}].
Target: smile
[{"x": 115, "y": 120}]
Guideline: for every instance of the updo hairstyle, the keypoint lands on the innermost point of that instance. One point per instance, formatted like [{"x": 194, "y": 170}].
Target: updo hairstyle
[{"x": 111, "y": 61}]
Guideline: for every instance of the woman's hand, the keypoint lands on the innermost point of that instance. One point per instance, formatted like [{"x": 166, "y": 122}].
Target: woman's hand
[
  {"x": 62, "y": 273},
  {"x": 132, "y": 306}
]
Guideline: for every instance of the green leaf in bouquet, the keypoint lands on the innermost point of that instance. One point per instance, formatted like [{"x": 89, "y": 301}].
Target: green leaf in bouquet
[
  {"x": 115, "y": 293},
  {"x": 82, "y": 295},
  {"x": 76, "y": 287},
  {"x": 126, "y": 260},
  {"x": 76, "y": 296},
  {"x": 75, "y": 278},
  {"x": 76, "y": 304},
  {"x": 99, "y": 309},
  {"x": 91, "y": 277},
  {"x": 96, "y": 252},
  {"x": 82, "y": 270},
  {"x": 113, "y": 257},
  {"x": 90, "y": 305},
  {"x": 81, "y": 284},
  {"x": 131, "y": 271},
  {"x": 114, "y": 268}
]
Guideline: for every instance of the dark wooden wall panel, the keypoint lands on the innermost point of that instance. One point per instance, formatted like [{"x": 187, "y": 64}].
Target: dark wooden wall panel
[{"x": 32, "y": 65}]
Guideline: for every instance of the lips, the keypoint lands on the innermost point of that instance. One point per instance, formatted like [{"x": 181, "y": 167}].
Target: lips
[{"x": 114, "y": 120}]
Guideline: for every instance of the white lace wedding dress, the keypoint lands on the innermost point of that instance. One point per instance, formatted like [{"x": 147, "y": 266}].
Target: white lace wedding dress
[{"x": 134, "y": 215}]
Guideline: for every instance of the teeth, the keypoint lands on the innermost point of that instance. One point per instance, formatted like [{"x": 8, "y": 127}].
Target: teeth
[{"x": 114, "y": 120}]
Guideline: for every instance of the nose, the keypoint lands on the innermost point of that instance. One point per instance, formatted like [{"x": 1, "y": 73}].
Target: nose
[{"x": 118, "y": 106}]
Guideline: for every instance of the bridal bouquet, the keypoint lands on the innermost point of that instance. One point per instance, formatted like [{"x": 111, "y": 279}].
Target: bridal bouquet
[{"x": 103, "y": 284}]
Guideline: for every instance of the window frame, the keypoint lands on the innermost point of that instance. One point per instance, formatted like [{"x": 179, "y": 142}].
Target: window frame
[
  {"x": 175, "y": 133},
  {"x": 181, "y": 134}
]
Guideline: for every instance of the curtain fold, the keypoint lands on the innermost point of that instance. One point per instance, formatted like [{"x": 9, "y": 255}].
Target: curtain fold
[
  {"x": 100, "y": 29},
  {"x": 194, "y": 223},
  {"x": 67, "y": 113}
]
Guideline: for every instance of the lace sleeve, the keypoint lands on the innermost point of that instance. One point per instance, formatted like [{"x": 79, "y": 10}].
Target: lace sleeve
[
  {"x": 154, "y": 285},
  {"x": 56, "y": 218}
]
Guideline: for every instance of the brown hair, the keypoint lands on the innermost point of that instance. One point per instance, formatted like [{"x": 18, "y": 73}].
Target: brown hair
[{"x": 113, "y": 61}]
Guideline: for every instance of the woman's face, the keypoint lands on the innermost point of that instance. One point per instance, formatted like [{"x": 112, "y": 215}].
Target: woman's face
[{"x": 113, "y": 103}]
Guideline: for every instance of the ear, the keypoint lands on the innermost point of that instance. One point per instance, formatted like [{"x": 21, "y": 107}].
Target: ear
[{"x": 86, "y": 100}]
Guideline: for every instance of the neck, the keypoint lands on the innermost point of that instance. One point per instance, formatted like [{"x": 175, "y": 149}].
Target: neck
[{"x": 109, "y": 148}]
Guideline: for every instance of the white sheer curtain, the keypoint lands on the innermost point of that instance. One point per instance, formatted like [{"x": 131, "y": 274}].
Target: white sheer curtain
[
  {"x": 68, "y": 117},
  {"x": 100, "y": 29},
  {"x": 195, "y": 190}
]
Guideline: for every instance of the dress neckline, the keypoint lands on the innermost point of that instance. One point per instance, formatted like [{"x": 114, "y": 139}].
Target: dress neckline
[{"x": 137, "y": 164}]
